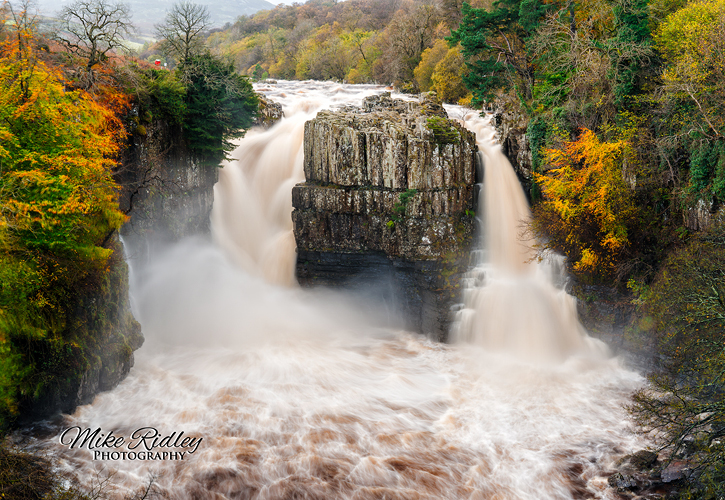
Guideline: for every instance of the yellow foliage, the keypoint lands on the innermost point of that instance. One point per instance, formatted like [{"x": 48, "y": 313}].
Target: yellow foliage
[
  {"x": 588, "y": 202},
  {"x": 447, "y": 78},
  {"x": 692, "y": 40},
  {"x": 428, "y": 61}
]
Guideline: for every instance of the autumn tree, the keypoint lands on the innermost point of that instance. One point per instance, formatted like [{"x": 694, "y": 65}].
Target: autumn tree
[
  {"x": 327, "y": 55},
  {"x": 588, "y": 209},
  {"x": 360, "y": 44},
  {"x": 92, "y": 29},
  {"x": 58, "y": 206},
  {"x": 428, "y": 61},
  {"x": 447, "y": 77},
  {"x": 182, "y": 33},
  {"x": 692, "y": 41},
  {"x": 410, "y": 32}
]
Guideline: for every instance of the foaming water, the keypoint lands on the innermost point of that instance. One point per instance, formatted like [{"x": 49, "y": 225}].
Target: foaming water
[
  {"x": 300, "y": 394},
  {"x": 253, "y": 199},
  {"x": 512, "y": 301}
]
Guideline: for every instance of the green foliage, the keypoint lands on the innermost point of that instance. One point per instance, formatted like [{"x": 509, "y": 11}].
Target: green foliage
[
  {"x": 400, "y": 208},
  {"x": 552, "y": 88},
  {"x": 443, "y": 130},
  {"x": 494, "y": 45},
  {"x": 707, "y": 170},
  {"x": 220, "y": 105},
  {"x": 629, "y": 49},
  {"x": 58, "y": 209},
  {"x": 693, "y": 95},
  {"x": 166, "y": 96},
  {"x": 685, "y": 400},
  {"x": 536, "y": 134},
  {"x": 257, "y": 73}
]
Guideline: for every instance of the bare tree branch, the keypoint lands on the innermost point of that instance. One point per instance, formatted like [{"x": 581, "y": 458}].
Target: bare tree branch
[
  {"x": 93, "y": 28},
  {"x": 183, "y": 29}
]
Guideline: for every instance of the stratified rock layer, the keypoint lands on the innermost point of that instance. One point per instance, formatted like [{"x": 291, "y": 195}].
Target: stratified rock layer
[{"x": 389, "y": 196}]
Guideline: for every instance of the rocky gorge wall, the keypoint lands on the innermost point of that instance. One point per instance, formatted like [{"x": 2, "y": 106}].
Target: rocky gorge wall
[
  {"x": 167, "y": 191},
  {"x": 97, "y": 353},
  {"x": 511, "y": 127},
  {"x": 168, "y": 194},
  {"x": 389, "y": 203}
]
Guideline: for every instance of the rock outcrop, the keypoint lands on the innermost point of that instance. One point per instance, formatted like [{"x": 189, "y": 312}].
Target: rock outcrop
[
  {"x": 268, "y": 113},
  {"x": 105, "y": 335},
  {"x": 389, "y": 195},
  {"x": 511, "y": 127},
  {"x": 703, "y": 215},
  {"x": 167, "y": 191}
]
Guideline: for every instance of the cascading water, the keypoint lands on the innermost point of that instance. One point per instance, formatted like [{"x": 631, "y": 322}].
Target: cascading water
[
  {"x": 253, "y": 199},
  {"x": 512, "y": 303},
  {"x": 295, "y": 395}
]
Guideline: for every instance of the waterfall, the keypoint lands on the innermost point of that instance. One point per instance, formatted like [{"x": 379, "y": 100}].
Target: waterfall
[
  {"x": 251, "y": 218},
  {"x": 298, "y": 394},
  {"x": 252, "y": 206},
  {"x": 511, "y": 300}
]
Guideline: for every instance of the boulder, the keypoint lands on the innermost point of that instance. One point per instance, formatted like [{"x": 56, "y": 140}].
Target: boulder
[{"x": 268, "y": 113}]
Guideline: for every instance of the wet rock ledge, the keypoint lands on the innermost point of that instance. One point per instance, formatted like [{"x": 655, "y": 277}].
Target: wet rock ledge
[{"x": 388, "y": 205}]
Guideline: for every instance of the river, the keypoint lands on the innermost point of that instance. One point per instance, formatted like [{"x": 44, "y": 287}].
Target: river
[{"x": 308, "y": 394}]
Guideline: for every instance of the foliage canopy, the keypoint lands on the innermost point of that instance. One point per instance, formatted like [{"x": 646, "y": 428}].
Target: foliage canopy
[{"x": 58, "y": 206}]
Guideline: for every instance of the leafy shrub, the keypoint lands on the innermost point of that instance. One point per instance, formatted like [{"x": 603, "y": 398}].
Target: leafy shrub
[{"x": 587, "y": 208}]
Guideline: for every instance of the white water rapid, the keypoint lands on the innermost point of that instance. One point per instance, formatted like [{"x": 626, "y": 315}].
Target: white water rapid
[{"x": 298, "y": 395}]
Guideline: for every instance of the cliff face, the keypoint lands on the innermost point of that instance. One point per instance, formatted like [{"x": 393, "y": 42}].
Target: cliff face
[
  {"x": 389, "y": 197},
  {"x": 511, "y": 127},
  {"x": 703, "y": 215},
  {"x": 168, "y": 194},
  {"x": 94, "y": 352},
  {"x": 167, "y": 191}
]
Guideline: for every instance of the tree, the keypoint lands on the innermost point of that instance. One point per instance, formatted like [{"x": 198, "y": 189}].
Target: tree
[
  {"x": 220, "y": 105},
  {"x": 447, "y": 78},
  {"x": 410, "y": 32},
  {"x": 58, "y": 205},
  {"x": 692, "y": 41},
  {"x": 428, "y": 60},
  {"x": 182, "y": 32},
  {"x": 629, "y": 50},
  {"x": 494, "y": 45},
  {"x": 588, "y": 207},
  {"x": 93, "y": 28}
]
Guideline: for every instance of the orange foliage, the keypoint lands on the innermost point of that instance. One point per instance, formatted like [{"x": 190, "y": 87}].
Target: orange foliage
[
  {"x": 588, "y": 207},
  {"x": 57, "y": 154}
]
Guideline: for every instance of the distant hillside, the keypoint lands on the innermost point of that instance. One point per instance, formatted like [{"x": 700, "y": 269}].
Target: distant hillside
[
  {"x": 357, "y": 41},
  {"x": 146, "y": 14}
]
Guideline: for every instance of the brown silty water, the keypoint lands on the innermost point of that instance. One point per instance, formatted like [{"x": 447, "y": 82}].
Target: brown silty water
[{"x": 300, "y": 394}]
